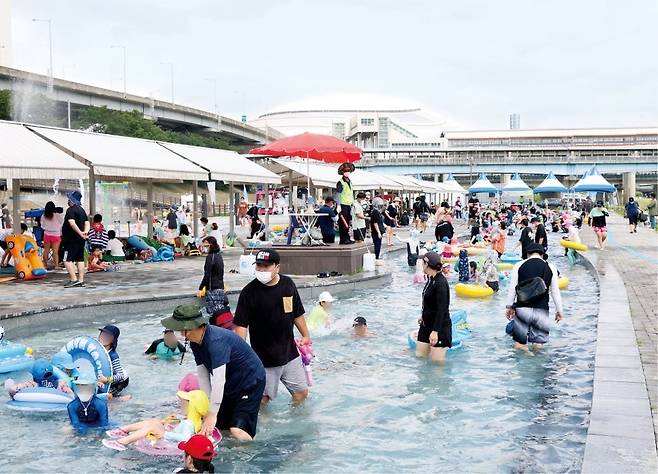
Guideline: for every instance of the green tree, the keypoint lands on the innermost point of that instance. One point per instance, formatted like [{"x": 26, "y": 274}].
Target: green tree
[{"x": 5, "y": 104}]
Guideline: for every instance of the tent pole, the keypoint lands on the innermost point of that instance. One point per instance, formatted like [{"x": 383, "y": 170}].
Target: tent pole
[
  {"x": 149, "y": 208},
  {"x": 16, "y": 205},
  {"x": 267, "y": 208},
  {"x": 92, "y": 191},
  {"x": 195, "y": 213},
  {"x": 308, "y": 179},
  {"x": 290, "y": 206},
  {"x": 231, "y": 209}
]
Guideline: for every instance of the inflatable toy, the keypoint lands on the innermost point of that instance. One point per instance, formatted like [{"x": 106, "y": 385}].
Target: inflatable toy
[
  {"x": 510, "y": 258},
  {"x": 563, "y": 282},
  {"x": 14, "y": 356},
  {"x": 306, "y": 351},
  {"x": 89, "y": 355},
  {"x": 39, "y": 399},
  {"x": 504, "y": 266},
  {"x": 27, "y": 262},
  {"x": 468, "y": 290},
  {"x": 573, "y": 245},
  {"x": 460, "y": 331},
  {"x": 136, "y": 242},
  {"x": 163, "y": 447},
  {"x": 471, "y": 251}
]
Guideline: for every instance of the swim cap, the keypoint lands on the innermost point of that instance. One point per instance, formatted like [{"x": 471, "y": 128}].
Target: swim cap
[{"x": 188, "y": 383}]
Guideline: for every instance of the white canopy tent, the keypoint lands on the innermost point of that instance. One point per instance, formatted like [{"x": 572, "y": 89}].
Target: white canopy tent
[
  {"x": 452, "y": 186},
  {"x": 24, "y": 155},
  {"x": 409, "y": 184},
  {"x": 366, "y": 180},
  {"x": 115, "y": 157},
  {"x": 516, "y": 185}
]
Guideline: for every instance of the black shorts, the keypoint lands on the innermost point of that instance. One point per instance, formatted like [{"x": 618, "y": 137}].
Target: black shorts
[
  {"x": 117, "y": 387},
  {"x": 445, "y": 336},
  {"x": 494, "y": 285},
  {"x": 241, "y": 411},
  {"x": 74, "y": 251},
  {"x": 632, "y": 220}
]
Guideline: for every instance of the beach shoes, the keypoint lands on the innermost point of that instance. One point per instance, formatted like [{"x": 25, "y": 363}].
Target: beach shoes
[
  {"x": 113, "y": 444},
  {"x": 72, "y": 283},
  {"x": 116, "y": 433}
]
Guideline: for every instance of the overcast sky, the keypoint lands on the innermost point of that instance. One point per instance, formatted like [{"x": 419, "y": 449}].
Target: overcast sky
[{"x": 559, "y": 63}]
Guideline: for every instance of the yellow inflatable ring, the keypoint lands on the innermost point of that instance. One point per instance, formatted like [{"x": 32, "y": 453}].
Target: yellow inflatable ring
[
  {"x": 573, "y": 245},
  {"x": 473, "y": 291},
  {"x": 471, "y": 251},
  {"x": 504, "y": 266},
  {"x": 563, "y": 282}
]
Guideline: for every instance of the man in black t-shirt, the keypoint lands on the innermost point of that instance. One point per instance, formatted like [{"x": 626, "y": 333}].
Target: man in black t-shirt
[
  {"x": 473, "y": 206},
  {"x": 526, "y": 238},
  {"x": 74, "y": 235},
  {"x": 541, "y": 237},
  {"x": 269, "y": 307}
]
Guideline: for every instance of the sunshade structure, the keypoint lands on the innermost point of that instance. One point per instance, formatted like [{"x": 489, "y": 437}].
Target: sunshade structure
[
  {"x": 311, "y": 146},
  {"x": 483, "y": 185},
  {"x": 593, "y": 181},
  {"x": 364, "y": 180},
  {"x": 516, "y": 185},
  {"x": 451, "y": 185},
  {"x": 25, "y": 155},
  {"x": 411, "y": 184},
  {"x": 224, "y": 165},
  {"x": 115, "y": 157},
  {"x": 550, "y": 185}
]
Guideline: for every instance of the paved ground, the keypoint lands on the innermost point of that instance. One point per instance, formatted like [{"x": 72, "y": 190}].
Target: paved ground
[{"x": 635, "y": 256}]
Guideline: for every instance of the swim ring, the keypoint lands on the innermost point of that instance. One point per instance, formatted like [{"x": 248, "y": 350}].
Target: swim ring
[
  {"x": 14, "y": 357},
  {"x": 90, "y": 355},
  {"x": 460, "y": 330},
  {"x": 468, "y": 290},
  {"x": 563, "y": 282},
  {"x": 471, "y": 251},
  {"x": 504, "y": 266},
  {"x": 39, "y": 399},
  {"x": 163, "y": 447},
  {"x": 510, "y": 258},
  {"x": 573, "y": 245}
]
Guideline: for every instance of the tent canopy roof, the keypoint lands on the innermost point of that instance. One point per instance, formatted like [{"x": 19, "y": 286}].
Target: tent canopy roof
[
  {"x": 115, "y": 156},
  {"x": 483, "y": 185},
  {"x": 516, "y": 185},
  {"x": 25, "y": 155},
  {"x": 550, "y": 185}
]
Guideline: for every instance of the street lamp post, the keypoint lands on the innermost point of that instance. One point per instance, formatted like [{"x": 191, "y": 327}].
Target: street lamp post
[
  {"x": 125, "y": 93},
  {"x": 214, "y": 83},
  {"x": 50, "y": 43},
  {"x": 171, "y": 70}
]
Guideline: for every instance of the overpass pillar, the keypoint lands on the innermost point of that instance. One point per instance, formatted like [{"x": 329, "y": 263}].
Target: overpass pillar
[
  {"x": 628, "y": 184},
  {"x": 505, "y": 178},
  {"x": 436, "y": 177}
]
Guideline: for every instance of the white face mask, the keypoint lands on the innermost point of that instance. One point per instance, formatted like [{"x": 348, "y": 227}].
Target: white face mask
[{"x": 264, "y": 277}]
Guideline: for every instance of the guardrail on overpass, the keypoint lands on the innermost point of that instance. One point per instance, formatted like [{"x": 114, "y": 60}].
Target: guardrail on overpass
[
  {"x": 170, "y": 115},
  {"x": 641, "y": 158}
]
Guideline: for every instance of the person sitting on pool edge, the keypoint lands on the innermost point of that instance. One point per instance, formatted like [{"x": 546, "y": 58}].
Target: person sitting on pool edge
[
  {"x": 87, "y": 410},
  {"x": 109, "y": 338},
  {"x": 199, "y": 452},
  {"x": 166, "y": 347},
  {"x": 319, "y": 315}
]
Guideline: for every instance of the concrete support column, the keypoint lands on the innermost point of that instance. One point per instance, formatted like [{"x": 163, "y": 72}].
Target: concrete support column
[
  {"x": 195, "y": 211},
  {"x": 91, "y": 194},
  {"x": 505, "y": 178},
  {"x": 436, "y": 177},
  {"x": 149, "y": 208},
  {"x": 628, "y": 183},
  {"x": 16, "y": 205},
  {"x": 231, "y": 209}
]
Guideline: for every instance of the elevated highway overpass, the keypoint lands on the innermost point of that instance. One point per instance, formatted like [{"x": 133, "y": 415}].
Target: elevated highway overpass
[{"x": 170, "y": 116}]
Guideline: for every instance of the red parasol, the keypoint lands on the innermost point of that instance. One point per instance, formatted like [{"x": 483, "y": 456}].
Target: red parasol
[{"x": 312, "y": 145}]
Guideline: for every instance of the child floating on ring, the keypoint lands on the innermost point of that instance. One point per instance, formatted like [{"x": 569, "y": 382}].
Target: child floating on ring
[{"x": 195, "y": 405}]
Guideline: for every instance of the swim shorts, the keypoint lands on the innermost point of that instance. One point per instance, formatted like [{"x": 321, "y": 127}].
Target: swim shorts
[
  {"x": 74, "y": 251},
  {"x": 117, "y": 387},
  {"x": 51, "y": 239},
  {"x": 531, "y": 325},
  {"x": 494, "y": 285},
  {"x": 445, "y": 337},
  {"x": 599, "y": 229},
  {"x": 241, "y": 410},
  {"x": 292, "y": 375}
]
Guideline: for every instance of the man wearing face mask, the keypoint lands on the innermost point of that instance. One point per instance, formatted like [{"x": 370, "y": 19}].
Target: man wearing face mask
[
  {"x": 345, "y": 199},
  {"x": 269, "y": 307}
]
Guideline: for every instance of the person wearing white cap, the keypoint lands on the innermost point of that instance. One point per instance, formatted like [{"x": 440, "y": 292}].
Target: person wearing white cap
[{"x": 319, "y": 316}]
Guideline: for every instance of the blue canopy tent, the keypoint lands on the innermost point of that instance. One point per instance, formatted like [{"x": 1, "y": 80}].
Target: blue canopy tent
[
  {"x": 592, "y": 181},
  {"x": 483, "y": 185},
  {"x": 551, "y": 185},
  {"x": 516, "y": 185}
]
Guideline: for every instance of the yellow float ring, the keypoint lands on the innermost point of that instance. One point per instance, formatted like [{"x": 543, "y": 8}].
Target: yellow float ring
[
  {"x": 473, "y": 291},
  {"x": 573, "y": 245},
  {"x": 504, "y": 266},
  {"x": 563, "y": 282}
]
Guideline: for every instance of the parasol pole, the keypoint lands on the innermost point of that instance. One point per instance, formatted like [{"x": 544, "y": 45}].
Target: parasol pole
[{"x": 308, "y": 179}]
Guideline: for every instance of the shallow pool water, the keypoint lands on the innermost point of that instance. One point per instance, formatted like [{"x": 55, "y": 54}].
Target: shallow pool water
[{"x": 374, "y": 406}]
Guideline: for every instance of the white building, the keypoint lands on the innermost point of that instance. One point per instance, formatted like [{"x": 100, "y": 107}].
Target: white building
[{"x": 369, "y": 122}]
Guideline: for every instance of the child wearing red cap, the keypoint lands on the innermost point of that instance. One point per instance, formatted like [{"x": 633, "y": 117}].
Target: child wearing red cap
[{"x": 199, "y": 452}]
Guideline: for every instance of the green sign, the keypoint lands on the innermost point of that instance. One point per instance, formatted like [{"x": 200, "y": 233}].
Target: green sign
[{"x": 244, "y": 119}]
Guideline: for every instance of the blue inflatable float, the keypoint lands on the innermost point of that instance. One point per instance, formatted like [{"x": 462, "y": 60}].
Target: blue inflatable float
[
  {"x": 14, "y": 357},
  {"x": 510, "y": 258},
  {"x": 89, "y": 356},
  {"x": 39, "y": 399},
  {"x": 460, "y": 331}
]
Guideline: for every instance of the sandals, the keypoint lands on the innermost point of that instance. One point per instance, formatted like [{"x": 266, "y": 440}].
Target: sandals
[
  {"x": 113, "y": 444},
  {"x": 330, "y": 274},
  {"x": 335, "y": 274},
  {"x": 323, "y": 275}
]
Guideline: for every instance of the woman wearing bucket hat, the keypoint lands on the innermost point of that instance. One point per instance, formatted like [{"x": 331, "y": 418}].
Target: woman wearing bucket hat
[
  {"x": 229, "y": 372},
  {"x": 74, "y": 235}
]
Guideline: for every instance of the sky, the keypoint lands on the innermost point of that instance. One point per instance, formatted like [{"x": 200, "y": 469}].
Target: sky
[{"x": 558, "y": 63}]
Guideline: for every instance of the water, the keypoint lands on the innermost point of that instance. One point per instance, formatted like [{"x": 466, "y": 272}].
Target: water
[{"x": 374, "y": 406}]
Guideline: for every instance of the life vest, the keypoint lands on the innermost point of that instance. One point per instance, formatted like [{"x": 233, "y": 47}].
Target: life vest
[{"x": 346, "y": 195}]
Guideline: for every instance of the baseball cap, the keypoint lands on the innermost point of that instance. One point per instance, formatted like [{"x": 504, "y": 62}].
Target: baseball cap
[
  {"x": 535, "y": 248},
  {"x": 433, "y": 260},
  {"x": 325, "y": 297},
  {"x": 267, "y": 257},
  {"x": 535, "y": 219},
  {"x": 359, "y": 321},
  {"x": 199, "y": 447}
]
